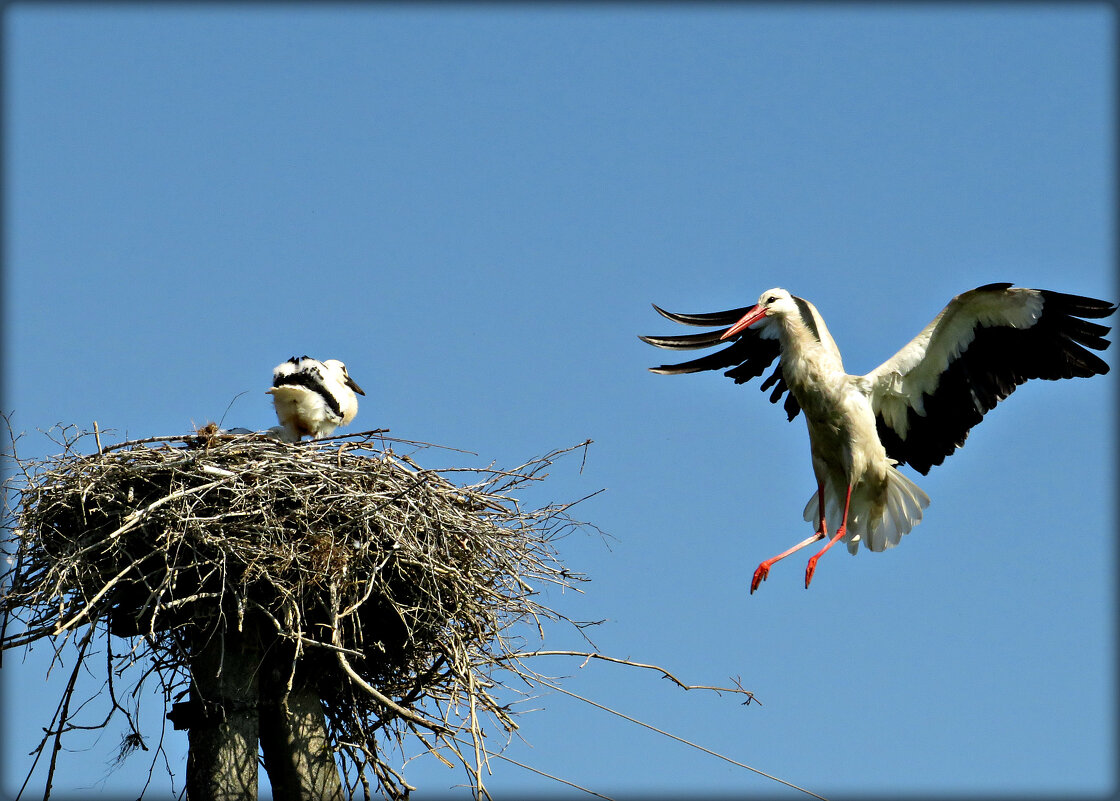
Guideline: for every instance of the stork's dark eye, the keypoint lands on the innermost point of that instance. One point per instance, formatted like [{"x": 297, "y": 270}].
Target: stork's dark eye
[{"x": 770, "y": 300}]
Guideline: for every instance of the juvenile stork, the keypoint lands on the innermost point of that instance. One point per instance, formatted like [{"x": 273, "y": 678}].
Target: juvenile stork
[
  {"x": 312, "y": 398},
  {"x": 916, "y": 408}
]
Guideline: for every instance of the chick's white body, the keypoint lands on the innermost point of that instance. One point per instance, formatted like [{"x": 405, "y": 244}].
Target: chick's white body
[{"x": 312, "y": 397}]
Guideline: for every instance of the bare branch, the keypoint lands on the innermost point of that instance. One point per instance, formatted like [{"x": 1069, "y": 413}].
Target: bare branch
[{"x": 588, "y": 656}]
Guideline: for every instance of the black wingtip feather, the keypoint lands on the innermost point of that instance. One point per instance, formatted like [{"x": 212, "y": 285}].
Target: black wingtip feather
[
  {"x": 1076, "y": 305},
  {"x": 686, "y": 341},
  {"x": 670, "y": 369},
  {"x": 722, "y": 318}
]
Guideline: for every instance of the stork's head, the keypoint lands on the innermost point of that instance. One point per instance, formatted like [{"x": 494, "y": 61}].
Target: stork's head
[
  {"x": 772, "y": 303},
  {"x": 338, "y": 370}
]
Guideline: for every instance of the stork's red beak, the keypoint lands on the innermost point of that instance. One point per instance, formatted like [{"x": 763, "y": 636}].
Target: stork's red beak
[{"x": 755, "y": 314}]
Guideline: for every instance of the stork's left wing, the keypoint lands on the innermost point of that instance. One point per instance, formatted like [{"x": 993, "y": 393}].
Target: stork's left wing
[
  {"x": 975, "y": 352},
  {"x": 749, "y": 353}
]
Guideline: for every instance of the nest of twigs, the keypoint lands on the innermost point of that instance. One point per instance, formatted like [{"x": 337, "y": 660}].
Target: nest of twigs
[{"x": 392, "y": 587}]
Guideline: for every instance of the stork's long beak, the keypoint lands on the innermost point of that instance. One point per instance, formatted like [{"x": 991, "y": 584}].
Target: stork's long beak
[
  {"x": 755, "y": 314},
  {"x": 350, "y": 382}
]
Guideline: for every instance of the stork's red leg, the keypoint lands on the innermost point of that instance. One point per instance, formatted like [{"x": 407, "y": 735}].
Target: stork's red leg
[
  {"x": 812, "y": 566},
  {"x": 763, "y": 570}
]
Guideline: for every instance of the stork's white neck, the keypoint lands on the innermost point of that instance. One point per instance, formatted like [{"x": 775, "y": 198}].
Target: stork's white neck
[{"x": 805, "y": 339}]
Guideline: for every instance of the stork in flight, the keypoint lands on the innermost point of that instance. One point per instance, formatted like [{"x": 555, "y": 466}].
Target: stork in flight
[
  {"x": 916, "y": 408},
  {"x": 312, "y": 398}
]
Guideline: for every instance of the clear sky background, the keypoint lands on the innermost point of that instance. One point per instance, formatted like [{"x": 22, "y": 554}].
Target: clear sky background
[{"x": 474, "y": 205}]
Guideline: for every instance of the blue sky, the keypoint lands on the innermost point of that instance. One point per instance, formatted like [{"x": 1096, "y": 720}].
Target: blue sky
[{"x": 474, "y": 205}]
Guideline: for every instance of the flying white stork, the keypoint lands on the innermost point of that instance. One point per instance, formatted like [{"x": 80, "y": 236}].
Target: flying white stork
[
  {"x": 916, "y": 408},
  {"x": 312, "y": 398}
]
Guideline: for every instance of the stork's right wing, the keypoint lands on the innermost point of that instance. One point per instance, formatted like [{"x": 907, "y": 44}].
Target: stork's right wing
[{"x": 748, "y": 355}]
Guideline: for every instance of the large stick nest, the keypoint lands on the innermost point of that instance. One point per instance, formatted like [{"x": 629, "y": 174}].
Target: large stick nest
[{"x": 392, "y": 587}]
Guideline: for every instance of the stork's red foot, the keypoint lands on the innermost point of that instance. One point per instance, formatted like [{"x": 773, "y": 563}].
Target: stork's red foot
[
  {"x": 811, "y": 568},
  {"x": 761, "y": 573}
]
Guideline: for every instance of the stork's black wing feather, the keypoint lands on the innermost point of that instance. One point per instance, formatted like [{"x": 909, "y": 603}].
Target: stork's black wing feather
[
  {"x": 726, "y": 318},
  {"x": 748, "y": 355}
]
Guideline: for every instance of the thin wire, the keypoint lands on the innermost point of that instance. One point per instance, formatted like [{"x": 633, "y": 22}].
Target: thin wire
[
  {"x": 540, "y": 772},
  {"x": 679, "y": 739}
]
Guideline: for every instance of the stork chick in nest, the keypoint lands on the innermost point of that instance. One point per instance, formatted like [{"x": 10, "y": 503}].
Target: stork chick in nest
[{"x": 312, "y": 398}]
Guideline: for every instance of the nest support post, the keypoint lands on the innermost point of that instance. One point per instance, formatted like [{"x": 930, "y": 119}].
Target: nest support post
[
  {"x": 242, "y": 695},
  {"x": 223, "y": 722},
  {"x": 295, "y": 745}
]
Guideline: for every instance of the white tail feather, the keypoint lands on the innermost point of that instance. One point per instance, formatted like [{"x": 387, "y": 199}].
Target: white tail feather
[{"x": 901, "y": 511}]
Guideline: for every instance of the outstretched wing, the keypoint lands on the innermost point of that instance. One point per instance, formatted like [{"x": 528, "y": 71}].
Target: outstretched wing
[
  {"x": 975, "y": 352},
  {"x": 749, "y": 353}
]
